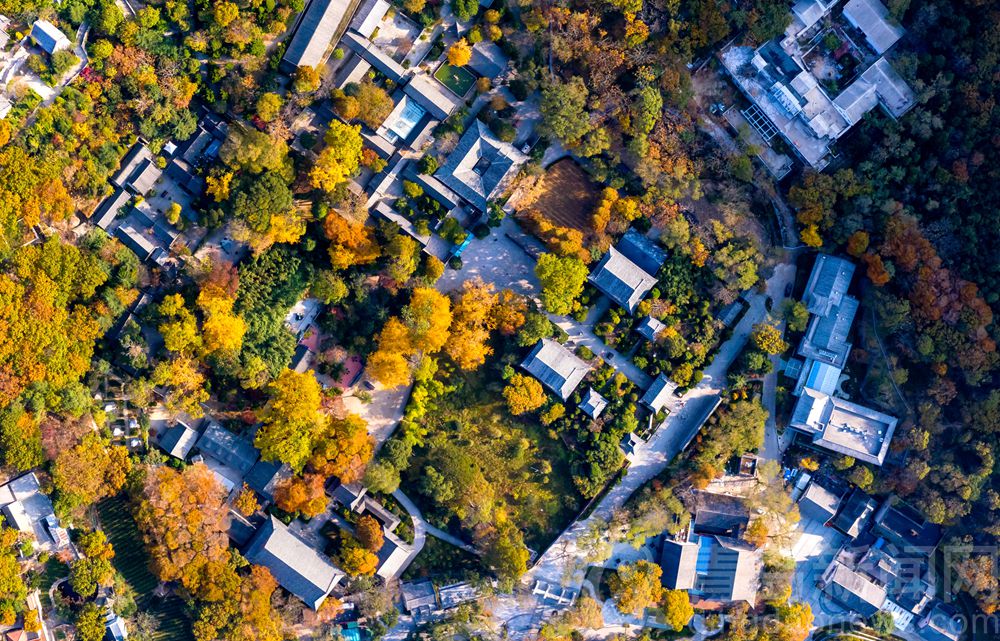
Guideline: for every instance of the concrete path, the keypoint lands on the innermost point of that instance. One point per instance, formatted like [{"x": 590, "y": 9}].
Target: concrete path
[
  {"x": 774, "y": 444},
  {"x": 582, "y": 334},
  {"x": 422, "y": 528}
]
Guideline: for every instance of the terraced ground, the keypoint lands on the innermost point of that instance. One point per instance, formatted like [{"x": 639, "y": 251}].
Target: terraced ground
[{"x": 133, "y": 563}]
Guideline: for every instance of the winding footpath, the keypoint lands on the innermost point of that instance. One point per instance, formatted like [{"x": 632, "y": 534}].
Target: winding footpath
[{"x": 421, "y": 528}]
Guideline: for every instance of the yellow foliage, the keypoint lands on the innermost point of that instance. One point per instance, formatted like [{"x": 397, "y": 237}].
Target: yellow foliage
[{"x": 460, "y": 53}]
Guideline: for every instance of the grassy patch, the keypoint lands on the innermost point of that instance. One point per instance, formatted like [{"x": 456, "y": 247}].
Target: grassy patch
[
  {"x": 133, "y": 564},
  {"x": 458, "y": 80},
  {"x": 525, "y": 472},
  {"x": 443, "y": 562},
  {"x": 53, "y": 571}
]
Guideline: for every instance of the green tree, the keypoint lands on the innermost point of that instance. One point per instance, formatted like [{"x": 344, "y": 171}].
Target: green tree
[
  {"x": 506, "y": 555},
  {"x": 796, "y": 315},
  {"x": 562, "y": 280},
  {"x": 882, "y": 622},
  {"x": 465, "y": 9},
  {"x": 329, "y": 287},
  {"x": 382, "y": 477},
  {"x": 20, "y": 439},
  {"x": 90, "y": 623},
  {"x": 262, "y": 198},
  {"x": 536, "y": 327},
  {"x": 564, "y": 111},
  {"x": 291, "y": 421},
  {"x": 268, "y": 106}
]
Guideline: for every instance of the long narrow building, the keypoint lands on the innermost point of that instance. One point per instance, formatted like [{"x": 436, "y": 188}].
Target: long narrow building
[{"x": 322, "y": 22}]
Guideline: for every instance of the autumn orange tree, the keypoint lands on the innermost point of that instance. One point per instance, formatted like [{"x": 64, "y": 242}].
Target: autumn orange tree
[
  {"x": 88, "y": 472},
  {"x": 636, "y": 586},
  {"x": 472, "y": 321},
  {"x": 222, "y": 329},
  {"x": 344, "y": 449},
  {"x": 421, "y": 330},
  {"x": 49, "y": 321},
  {"x": 354, "y": 558},
  {"x": 369, "y": 533},
  {"x": 351, "y": 242},
  {"x": 185, "y": 385},
  {"x": 301, "y": 495},
  {"x": 183, "y": 519}
]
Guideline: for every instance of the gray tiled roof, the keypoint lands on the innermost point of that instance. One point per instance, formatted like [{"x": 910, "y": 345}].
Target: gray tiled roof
[
  {"x": 658, "y": 393},
  {"x": 593, "y": 403},
  {"x": 853, "y": 590},
  {"x": 373, "y": 56},
  {"x": 871, "y": 17},
  {"x": 649, "y": 328},
  {"x": 828, "y": 283},
  {"x": 429, "y": 93},
  {"x": 418, "y": 594},
  {"x": 942, "y": 623},
  {"x": 488, "y": 59},
  {"x": 827, "y": 336},
  {"x": 134, "y": 240},
  {"x": 368, "y": 16},
  {"x": 135, "y": 158},
  {"x": 855, "y": 511},
  {"x": 263, "y": 476},
  {"x": 622, "y": 280},
  {"x": 144, "y": 177},
  {"x": 819, "y": 503},
  {"x": 393, "y": 557},
  {"x": 555, "y": 367},
  {"x": 228, "y": 448},
  {"x": 479, "y": 165},
  {"x": 178, "y": 440},
  {"x": 733, "y": 570},
  {"x": 903, "y": 525},
  {"x": 678, "y": 561},
  {"x": 108, "y": 210},
  {"x": 296, "y": 566},
  {"x": 642, "y": 251},
  {"x": 320, "y": 23},
  {"x": 48, "y": 36}
]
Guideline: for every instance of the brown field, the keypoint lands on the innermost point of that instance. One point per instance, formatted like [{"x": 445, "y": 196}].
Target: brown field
[{"x": 566, "y": 197}]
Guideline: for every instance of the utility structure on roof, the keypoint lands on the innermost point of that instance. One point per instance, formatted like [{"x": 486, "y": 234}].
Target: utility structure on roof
[{"x": 795, "y": 88}]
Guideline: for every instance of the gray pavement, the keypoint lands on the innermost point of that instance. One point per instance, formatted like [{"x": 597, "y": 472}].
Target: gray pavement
[
  {"x": 774, "y": 444},
  {"x": 384, "y": 411}
]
